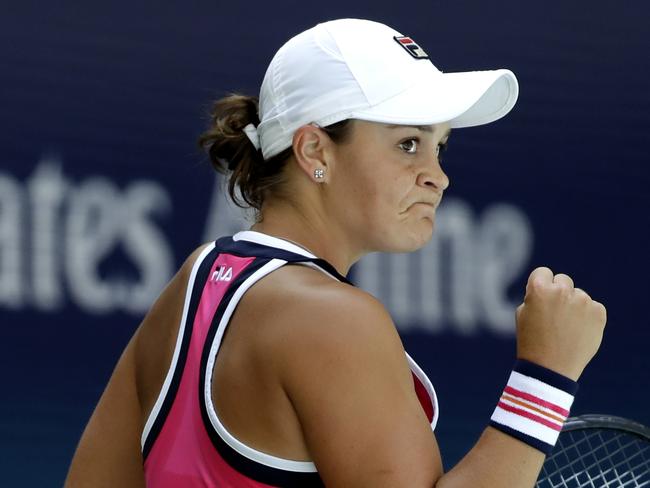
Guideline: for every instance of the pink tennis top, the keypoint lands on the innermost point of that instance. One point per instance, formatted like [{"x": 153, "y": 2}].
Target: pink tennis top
[{"x": 183, "y": 442}]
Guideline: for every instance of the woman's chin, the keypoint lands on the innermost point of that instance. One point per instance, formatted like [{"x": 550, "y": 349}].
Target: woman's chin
[
  {"x": 414, "y": 238},
  {"x": 421, "y": 239}
]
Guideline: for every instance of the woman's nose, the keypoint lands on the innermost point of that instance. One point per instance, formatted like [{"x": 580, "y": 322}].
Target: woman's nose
[{"x": 433, "y": 176}]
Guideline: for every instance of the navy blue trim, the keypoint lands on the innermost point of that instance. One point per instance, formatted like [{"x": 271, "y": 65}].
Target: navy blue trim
[
  {"x": 546, "y": 375},
  {"x": 245, "y": 248},
  {"x": 330, "y": 269},
  {"x": 197, "y": 289},
  {"x": 247, "y": 467},
  {"x": 530, "y": 440}
]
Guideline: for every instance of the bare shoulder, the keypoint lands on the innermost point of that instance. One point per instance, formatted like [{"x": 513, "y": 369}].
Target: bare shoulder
[
  {"x": 311, "y": 309},
  {"x": 341, "y": 362},
  {"x": 308, "y": 289},
  {"x": 313, "y": 322}
]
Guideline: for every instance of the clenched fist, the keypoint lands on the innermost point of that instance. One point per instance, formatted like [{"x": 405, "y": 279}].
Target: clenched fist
[{"x": 558, "y": 326}]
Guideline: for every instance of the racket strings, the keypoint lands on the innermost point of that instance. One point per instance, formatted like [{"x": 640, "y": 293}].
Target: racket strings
[
  {"x": 621, "y": 460},
  {"x": 621, "y": 452},
  {"x": 597, "y": 458}
]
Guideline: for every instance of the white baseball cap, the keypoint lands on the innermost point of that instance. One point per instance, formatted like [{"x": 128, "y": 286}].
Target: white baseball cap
[{"x": 359, "y": 69}]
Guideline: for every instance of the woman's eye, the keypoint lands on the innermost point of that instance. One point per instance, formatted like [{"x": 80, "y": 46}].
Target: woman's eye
[{"x": 409, "y": 146}]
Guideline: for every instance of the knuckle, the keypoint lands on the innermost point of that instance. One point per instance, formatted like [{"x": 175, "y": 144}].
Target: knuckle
[
  {"x": 564, "y": 278},
  {"x": 601, "y": 310},
  {"x": 542, "y": 269},
  {"x": 540, "y": 274},
  {"x": 582, "y": 295},
  {"x": 564, "y": 282},
  {"x": 562, "y": 289}
]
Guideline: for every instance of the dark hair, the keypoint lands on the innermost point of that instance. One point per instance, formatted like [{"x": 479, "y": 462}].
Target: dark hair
[{"x": 230, "y": 150}]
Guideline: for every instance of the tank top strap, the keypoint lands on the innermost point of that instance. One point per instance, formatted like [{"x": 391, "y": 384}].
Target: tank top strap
[{"x": 249, "y": 243}]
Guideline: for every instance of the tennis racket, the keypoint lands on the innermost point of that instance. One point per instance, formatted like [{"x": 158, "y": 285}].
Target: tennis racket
[{"x": 598, "y": 451}]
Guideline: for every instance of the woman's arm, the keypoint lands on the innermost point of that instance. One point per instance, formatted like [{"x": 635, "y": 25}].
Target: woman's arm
[
  {"x": 344, "y": 369},
  {"x": 496, "y": 460},
  {"x": 349, "y": 383},
  {"x": 560, "y": 328},
  {"x": 109, "y": 452}
]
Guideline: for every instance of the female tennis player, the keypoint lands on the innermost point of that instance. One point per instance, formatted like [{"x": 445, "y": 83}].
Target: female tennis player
[{"x": 260, "y": 364}]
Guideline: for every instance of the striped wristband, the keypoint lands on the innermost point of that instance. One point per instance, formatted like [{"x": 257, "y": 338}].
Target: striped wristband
[{"x": 534, "y": 405}]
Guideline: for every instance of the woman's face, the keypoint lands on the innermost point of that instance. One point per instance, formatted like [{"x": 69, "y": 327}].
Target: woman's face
[{"x": 386, "y": 183}]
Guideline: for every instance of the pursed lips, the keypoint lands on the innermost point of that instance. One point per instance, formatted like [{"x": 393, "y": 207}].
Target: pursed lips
[
  {"x": 433, "y": 205},
  {"x": 430, "y": 204}
]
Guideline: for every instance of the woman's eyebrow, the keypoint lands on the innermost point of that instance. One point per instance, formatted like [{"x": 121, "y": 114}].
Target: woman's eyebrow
[{"x": 425, "y": 128}]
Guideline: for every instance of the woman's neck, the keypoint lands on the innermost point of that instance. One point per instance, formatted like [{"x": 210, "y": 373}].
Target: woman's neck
[{"x": 311, "y": 232}]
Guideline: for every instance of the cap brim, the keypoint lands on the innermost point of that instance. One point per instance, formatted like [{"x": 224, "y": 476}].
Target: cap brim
[{"x": 463, "y": 99}]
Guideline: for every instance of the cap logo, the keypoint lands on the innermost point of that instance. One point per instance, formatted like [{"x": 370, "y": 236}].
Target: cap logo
[{"x": 411, "y": 47}]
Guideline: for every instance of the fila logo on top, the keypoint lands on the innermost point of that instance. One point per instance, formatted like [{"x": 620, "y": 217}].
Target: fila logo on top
[
  {"x": 222, "y": 273},
  {"x": 411, "y": 47}
]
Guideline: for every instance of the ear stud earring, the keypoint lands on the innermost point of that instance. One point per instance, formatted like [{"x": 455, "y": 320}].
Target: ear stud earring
[{"x": 319, "y": 173}]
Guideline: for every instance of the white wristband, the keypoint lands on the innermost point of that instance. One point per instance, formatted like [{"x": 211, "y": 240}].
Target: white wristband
[{"x": 534, "y": 405}]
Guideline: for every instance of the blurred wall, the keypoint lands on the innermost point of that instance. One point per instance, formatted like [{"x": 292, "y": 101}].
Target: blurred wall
[{"x": 103, "y": 194}]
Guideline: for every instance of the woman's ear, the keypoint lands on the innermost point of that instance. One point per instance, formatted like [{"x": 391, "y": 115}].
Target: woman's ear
[{"x": 311, "y": 148}]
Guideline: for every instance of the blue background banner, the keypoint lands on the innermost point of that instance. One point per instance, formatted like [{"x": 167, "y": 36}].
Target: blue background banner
[{"x": 103, "y": 193}]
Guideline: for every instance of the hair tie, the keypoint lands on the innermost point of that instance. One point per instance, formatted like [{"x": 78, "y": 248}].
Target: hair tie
[{"x": 251, "y": 132}]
